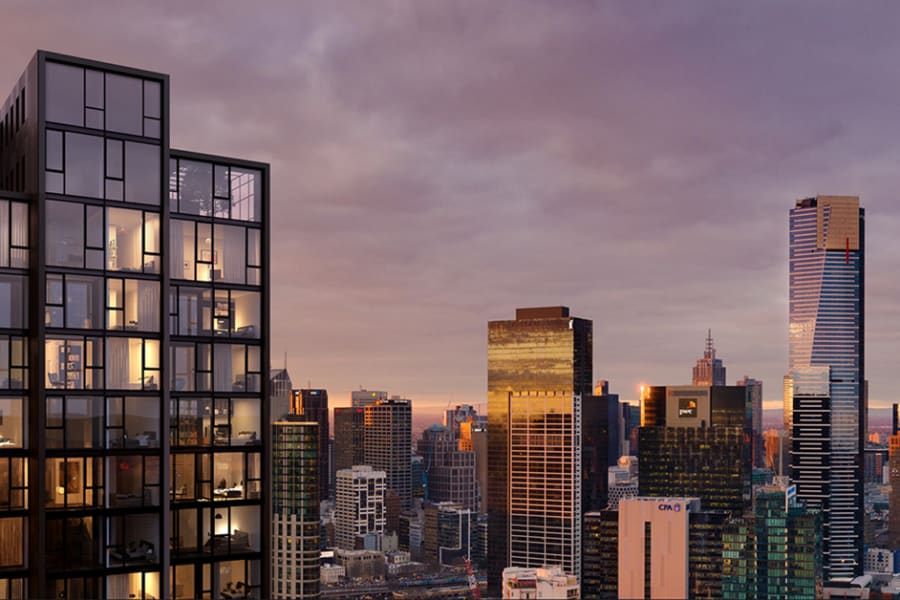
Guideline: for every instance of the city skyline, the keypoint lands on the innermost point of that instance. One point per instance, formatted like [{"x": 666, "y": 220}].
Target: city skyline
[{"x": 670, "y": 142}]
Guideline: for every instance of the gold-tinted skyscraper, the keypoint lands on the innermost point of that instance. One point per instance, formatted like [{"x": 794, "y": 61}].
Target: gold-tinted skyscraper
[{"x": 539, "y": 367}]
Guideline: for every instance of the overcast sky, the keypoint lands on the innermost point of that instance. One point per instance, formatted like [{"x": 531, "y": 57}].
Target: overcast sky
[{"x": 435, "y": 165}]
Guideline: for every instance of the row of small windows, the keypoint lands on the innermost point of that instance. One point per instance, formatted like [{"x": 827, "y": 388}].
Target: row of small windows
[
  {"x": 13, "y": 120},
  {"x": 105, "y": 101},
  {"x": 121, "y": 239},
  {"x": 132, "y": 363}
]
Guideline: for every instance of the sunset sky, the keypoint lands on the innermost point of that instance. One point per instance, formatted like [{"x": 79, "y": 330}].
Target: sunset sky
[{"x": 436, "y": 165}]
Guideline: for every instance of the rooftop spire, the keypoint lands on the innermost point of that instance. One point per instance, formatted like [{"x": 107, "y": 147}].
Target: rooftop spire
[{"x": 710, "y": 349}]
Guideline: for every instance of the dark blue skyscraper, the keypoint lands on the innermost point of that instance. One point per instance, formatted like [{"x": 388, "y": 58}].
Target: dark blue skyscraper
[{"x": 826, "y": 363}]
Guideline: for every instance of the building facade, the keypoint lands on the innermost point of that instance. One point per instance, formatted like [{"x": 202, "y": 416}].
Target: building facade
[
  {"x": 388, "y": 444},
  {"x": 754, "y": 391},
  {"x": 539, "y": 369},
  {"x": 775, "y": 551},
  {"x": 449, "y": 471},
  {"x": 139, "y": 374},
  {"x": 360, "y": 506},
  {"x": 695, "y": 443},
  {"x": 349, "y": 437},
  {"x": 313, "y": 405},
  {"x": 601, "y": 441},
  {"x": 550, "y": 583},
  {"x": 827, "y": 371},
  {"x": 295, "y": 508}
]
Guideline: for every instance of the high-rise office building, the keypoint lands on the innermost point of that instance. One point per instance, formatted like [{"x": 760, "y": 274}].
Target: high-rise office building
[
  {"x": 654, "y": 548},
  {"x": 313, "y": 405},
  {"x": 539, "y": 369},
  {"x": 669, "y": 548},
  {"x": 140, "y": 370},
  {"x": 349, "y": 437},
  {"x": 462, "y": 417},
  {"x": 295, "y": 508},
  {"x": 388, "y": 444},
  {"x": 709, "y": 370},
  {"x": 754, "y": 391},
  {"x": 480, "y": 447},
  {"x": 895, "y": 419},
  {"x": 775, "y": 551},
  {"x": 601, "y": 441},
  {"x": 694, "y": 443},
  {"x": 894, "y": 474},
  {"x": 449, "y": 472},
  {"x": 449, "y": 533},
  {"x": 826, "y": 369},
  {"x": 359, "y": 505}
]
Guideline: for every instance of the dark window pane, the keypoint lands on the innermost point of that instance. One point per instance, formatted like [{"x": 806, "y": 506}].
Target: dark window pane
[
  {"x": 93, "y": 91},
  {"x": 54, "y": 150},
  {"x": 13, "y": 301},
  {"x": 94, "y": 226},
  {"x": 65, "y": 234},
  {"x": 65, "y": 94},
  {"x": 152, "y": 96},
  {"x": 93, "y": 118},
  {"x": 142, "y": 173},
  {"x": 151, "y": 128},
  {"x": 123, "y": 104},
  {"x": 84, "y": 165},
  {"x": 114, "y": 158}
]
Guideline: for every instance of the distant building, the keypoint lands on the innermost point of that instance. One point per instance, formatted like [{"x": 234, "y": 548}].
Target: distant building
[
  {"x": 449, "y": 471},
  {"x": 360, "y": 506},
  {"x": 601, "y": 440},
  {"x": 463, "y": 414},
  {"x": 313, "y": 405},
  {"x": 449, "y": 533},
  {"x": 362, "y": 564},
  {"x": 480, "y": 447},
  {"x": 349, "y": 437},
  {"x": 775, "y": 552},
  {"x": 295, "y": 509},
  {"x": 694, "y": 444},
  {"x": 543, "y": 583},
  {"x": 539, "y": 372},
  {"x": 279, "y": 393},
  {"x": 388, "y": 444},
  {"x": 881, "y": 560},
  {"x": 875, "y": 458},
  {"x": 755, "y": 394},
  {"x": 600, "y": 555},
  {"x": 894, "y": 511},
  {"x": 362, "y": 398},
  {"x": 709, "y": 370},
  {"x": 669, "y": 548}
]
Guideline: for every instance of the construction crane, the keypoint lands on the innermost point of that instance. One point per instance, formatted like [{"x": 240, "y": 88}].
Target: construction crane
[{"x": 473, "y": 582}]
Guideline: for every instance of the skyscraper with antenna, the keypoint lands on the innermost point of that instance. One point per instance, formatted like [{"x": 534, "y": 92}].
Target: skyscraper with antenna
[{"x": 709, "y": 370}]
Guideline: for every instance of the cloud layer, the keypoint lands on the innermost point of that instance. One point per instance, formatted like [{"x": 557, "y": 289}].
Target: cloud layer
[{"x": 436, "y": 165}]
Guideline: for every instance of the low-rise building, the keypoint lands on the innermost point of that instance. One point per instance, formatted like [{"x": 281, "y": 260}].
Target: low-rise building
[{"x": 550, "y": 583}]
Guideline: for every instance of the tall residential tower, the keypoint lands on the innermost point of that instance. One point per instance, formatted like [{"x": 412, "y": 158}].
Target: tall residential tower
[
  {"x": 826, "y": 371},
  {"x": 140, "y": 370}
]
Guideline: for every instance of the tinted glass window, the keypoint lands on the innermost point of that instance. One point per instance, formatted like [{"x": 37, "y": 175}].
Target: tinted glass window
[
  {"x": 65, "y": 94},
  {"x": 84, "y": 165},
  {"x": 142, "y": 173},
  {"x": 124, "y": 101},
  {"x": 65, "y": 234}
]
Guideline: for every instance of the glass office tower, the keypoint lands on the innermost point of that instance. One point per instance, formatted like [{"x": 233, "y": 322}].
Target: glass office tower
[
  {"x": 827, "y": 360},
  {"x": 313, "y": 405},
  {"x": 295, "y": 508},
  {"x": 539, "y": 368},
  {"x": 133, "y": 455}
]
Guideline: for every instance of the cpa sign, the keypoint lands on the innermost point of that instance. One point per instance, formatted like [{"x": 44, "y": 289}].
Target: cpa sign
[{"x": 669, "y": 507}]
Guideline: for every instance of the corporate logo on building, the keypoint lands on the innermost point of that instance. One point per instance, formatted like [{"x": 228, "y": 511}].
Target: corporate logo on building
[
  {"x": 669, "y": 507},
  {"x": 687, "y": 408}
]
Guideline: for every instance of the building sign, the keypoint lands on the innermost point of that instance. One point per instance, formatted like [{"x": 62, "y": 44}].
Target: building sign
[
  {"x": 669, "y": 507},
  {"x": 687, "y": 408}
]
